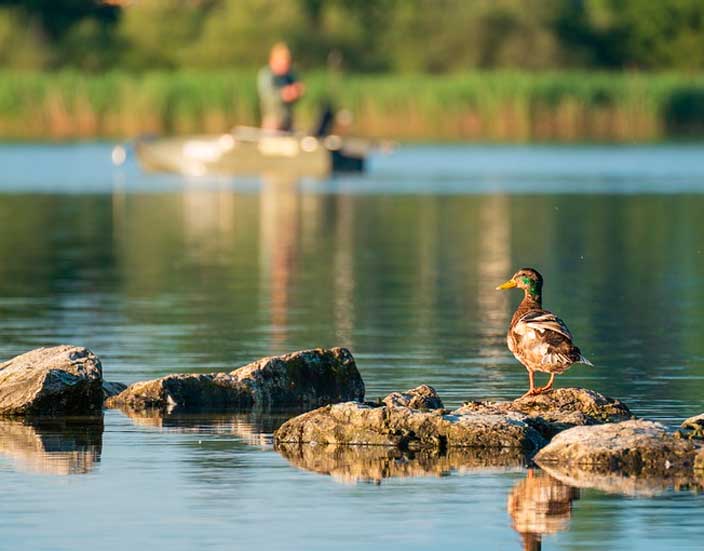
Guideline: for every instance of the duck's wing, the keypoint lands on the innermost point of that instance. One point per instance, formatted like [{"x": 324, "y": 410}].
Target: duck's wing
[
  {"x": 547, "y": 338},
  {"x": 542, "y": 321}
]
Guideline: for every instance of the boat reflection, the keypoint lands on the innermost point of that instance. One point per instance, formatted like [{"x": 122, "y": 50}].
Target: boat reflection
[
  {"x": 540, "y": 505},
  {"x": 352, "y": 464},
  {"x": 57, "y": 446}
]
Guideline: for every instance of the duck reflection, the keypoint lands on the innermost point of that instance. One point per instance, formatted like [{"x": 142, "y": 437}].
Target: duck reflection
[
  {"x": 352, "y": 464},
  {"x": 56, "y": 446},
  {"x": 539, "y": 505}
]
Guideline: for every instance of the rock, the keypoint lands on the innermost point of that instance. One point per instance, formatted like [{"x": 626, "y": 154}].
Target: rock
[
  {"x": 112, "y": 389},
  {"x": 639, "y": 448},
  {"x": 57, "y": 446},
  {"x": 62, "y": 380},
  {"x": 308, "y": 378},
  {"x": 559, "y": 409},
  {"x": 351, "y": 464},
  {"x": 693, "y": 427},
  {"x": 405, "y": 428},
  {"x": 421, "y": 397}
]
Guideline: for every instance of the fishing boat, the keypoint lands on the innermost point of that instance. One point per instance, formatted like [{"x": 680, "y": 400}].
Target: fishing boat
[{"x": 252, "y": 151}]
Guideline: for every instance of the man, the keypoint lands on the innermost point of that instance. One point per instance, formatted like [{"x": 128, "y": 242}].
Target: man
[{"x": 278, "y": 90}]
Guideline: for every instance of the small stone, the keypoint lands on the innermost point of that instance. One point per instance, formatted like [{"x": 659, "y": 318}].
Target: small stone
[
  {"x": 693, "y": 427},
  {"x": 112, "y": 388},
  {"x": 421, "y": 397}
]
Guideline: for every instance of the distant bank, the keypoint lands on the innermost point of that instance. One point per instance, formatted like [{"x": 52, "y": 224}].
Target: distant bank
[{"x": 483, "y": 106}]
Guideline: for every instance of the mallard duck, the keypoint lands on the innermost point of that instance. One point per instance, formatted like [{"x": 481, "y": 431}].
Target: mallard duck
[{"x": 538, "y": 338}]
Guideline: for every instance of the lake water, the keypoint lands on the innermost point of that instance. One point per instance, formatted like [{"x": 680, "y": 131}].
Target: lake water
[{"x": 160, "y": 274}]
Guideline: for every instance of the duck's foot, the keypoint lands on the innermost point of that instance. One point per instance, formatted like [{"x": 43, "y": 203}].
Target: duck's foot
[{"x": 532, "y": 392}]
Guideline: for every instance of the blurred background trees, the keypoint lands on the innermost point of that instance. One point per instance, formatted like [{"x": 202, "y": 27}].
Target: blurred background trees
[{"x": 435, "y": 36}]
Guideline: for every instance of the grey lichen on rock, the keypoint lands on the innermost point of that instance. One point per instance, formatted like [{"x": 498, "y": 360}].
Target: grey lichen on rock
[
  {"x": 638, "y": 448},
  {"x": 420, "y": 397},
  {"x": 354, "y": 423},
  {"x": 306, "y": 378},
  {"x": 557, "y": 410},
  {"x": 61, "y": 380}
]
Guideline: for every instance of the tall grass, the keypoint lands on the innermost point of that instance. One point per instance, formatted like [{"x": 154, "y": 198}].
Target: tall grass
[{"x": 489, "y": 106}]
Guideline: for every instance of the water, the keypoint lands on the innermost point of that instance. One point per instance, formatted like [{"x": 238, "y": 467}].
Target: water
[{"x": 161, "y": 274}]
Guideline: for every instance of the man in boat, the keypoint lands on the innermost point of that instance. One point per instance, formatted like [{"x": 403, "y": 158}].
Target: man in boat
[{"x": 279, "y": 90}]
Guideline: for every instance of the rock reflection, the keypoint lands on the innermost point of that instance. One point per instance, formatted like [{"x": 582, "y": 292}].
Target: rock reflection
[
  {"x": 58, "y": 446},
  {"x": 252, "y": 428},
  {"x": 540, "y": 505},
  {"x": 352, "y": 464},
  {"x": 628, "y": 485}
]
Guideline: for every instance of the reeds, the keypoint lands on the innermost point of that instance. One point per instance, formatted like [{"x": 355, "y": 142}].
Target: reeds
[{"x": 486, "y": 106}]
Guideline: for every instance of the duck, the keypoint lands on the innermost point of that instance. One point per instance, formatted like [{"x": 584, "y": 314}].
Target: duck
[{"x": 538, "y": 338}]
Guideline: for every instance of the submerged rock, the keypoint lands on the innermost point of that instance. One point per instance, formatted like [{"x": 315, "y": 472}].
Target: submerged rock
[
  {"x": 112, "y": 388},
  {"x": 61, "y": 380},
  {"x": 693, "y": 427},
  {"x": 421, "y": 397},
  {"x": 351, "y": 464},
  {"x": 308, "y": 378},
  {"x": 405, "y": 428},
  {"x": 639, "y": 448},
  {"x": 559, "y": 409}
]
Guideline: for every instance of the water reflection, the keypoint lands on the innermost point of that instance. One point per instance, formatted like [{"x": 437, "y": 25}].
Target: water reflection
[
  {"x": 251, "y": 428},
  {"x": 351, "y": 464},
  {"x": 58, "y": 446},
  {"x": 540, "y": 505},
  {"x": 628, "y": 485}
]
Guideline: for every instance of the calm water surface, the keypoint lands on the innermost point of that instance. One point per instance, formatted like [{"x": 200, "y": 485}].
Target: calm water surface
[{"x": 161, "y": 274}]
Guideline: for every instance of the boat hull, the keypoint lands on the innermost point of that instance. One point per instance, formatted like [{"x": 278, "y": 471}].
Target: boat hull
[{"x": 226, "y": 154}]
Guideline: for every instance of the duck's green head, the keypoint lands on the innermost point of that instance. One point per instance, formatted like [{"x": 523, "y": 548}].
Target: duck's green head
[{"x": 527, "y": 279}]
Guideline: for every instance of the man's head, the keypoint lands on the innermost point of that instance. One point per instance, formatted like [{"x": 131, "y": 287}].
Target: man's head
[{"x": 280, "y": 59}]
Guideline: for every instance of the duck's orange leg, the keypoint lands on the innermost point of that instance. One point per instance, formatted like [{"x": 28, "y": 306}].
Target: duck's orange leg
[
  {"x": 531, "y": 381},
  {"x": 548, "y": 386}
]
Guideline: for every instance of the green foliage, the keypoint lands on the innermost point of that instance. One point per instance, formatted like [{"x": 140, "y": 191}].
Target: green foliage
[
  {"x": 478, "y": 105},
  {"x": 435, "y": 36}
]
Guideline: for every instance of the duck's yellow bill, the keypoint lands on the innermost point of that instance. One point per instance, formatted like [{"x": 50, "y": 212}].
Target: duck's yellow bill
[{"x": 510, "y": 284}]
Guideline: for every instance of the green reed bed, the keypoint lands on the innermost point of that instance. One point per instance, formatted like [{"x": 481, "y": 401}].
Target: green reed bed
[{"x": 488, "y": 106}]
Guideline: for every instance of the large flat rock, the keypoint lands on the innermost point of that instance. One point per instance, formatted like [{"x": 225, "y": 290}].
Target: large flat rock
[
  {"x": 355, "y": 423},
  {"x": 558, "y": 409},
  {"x": 308, "y": 378},
  {"x": 61, "y": 380},
  {"x": 638, "y": 448}
]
